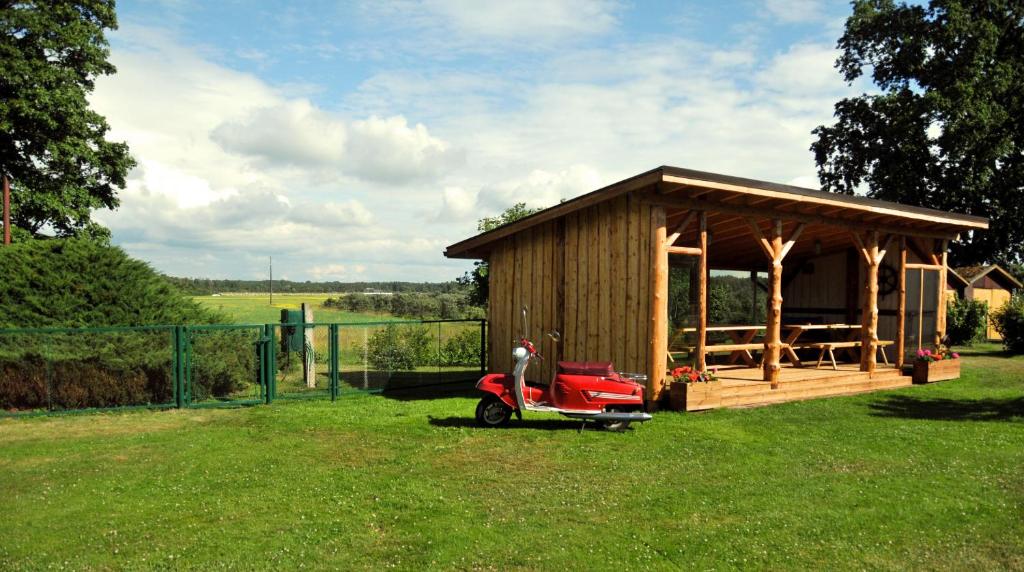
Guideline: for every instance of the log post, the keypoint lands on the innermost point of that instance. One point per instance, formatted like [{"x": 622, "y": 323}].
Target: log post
[
  {"x": 776, "y": 250},
  {"x": 940, "y": 314},
  {"x": 702, "y": 294},
  {"x": 901, "y": 305},
  {"x": 659, "y": 307},
  {"x": 773, "y": 333},
  {"x": 869, "y": 313}
]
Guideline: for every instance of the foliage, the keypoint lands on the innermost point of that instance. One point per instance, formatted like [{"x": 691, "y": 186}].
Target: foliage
[
  {"x": 1009, "y": 322},
  {"x": 207, "y": 286},
  {"x": 462, "y": 349},
  {"x": 966, "y": 321},
  {"x": 52, "y": 145},
  {"x": 79, "y": 283},
  {"x": 477, "y": 279},
  {"x": 945, "y": 131},
  {"x": 399, "y": 349},
  {"x": 417, "y": 305},
  {"x": 369, "y": 483},
  {"x": 730, "y": 300}
]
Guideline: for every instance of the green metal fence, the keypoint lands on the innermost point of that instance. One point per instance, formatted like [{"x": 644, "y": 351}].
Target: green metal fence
[{"x": 48, "y": 370}]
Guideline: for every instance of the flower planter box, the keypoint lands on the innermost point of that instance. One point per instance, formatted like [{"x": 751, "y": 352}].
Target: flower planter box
[
  {"x": 925, "y": 372},
  {"x": 695, "y": 396}
]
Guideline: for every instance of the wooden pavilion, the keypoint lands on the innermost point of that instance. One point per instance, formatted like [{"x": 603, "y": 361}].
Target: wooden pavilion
[{"x": 596, "y": 268}]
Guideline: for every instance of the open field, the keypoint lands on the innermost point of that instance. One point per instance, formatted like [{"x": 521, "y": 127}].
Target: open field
[
  {"x": 917, "y": 478},
  {"x": 256, "y": 308}
]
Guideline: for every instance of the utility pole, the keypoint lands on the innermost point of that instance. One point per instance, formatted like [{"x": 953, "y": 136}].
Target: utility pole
[
  {"x": 271, "y": 280},
  {"x": 7, "y": 210}
]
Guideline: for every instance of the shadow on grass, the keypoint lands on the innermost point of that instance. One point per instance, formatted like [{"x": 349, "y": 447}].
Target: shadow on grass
[
  {"x": 443, "y": 390},
  {"x": 531, "y": 424},
  {"x": 950, "y": 409}
]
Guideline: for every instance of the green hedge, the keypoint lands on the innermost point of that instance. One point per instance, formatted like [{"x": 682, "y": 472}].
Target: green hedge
[{"x": 1009, "y": 322}]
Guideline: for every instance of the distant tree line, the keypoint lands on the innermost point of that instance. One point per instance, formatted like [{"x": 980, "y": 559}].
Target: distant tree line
[
  {"x": 455, "y": 305},
  {"x": 207, "y": 286}
]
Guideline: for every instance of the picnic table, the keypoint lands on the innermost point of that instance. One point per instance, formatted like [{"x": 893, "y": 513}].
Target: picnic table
[{"x": 743, "y": 340}]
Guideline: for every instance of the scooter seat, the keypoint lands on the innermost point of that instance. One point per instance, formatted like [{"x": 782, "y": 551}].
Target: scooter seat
[{"x": 602, "y": 368}]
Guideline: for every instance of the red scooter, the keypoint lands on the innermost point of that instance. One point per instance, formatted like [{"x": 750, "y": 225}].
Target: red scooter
[{"x": 580, "y": 390}]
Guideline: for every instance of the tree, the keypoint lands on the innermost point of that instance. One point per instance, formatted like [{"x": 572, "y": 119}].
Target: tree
[
  {"x": 476, "y": 279},
  {"x": 947, "y": 129},
  {"x": 52, "y": 145}
]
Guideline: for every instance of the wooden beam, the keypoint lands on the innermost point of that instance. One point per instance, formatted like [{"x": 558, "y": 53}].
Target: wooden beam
[
  {"x": 915, "y": 266},
  {"x": 702, "y": 294},
  {"x": 884, "y": 247},
  {"x": 765, "y": 245},
  {"x": 672, "y": 238},
  {"x": 901, "y": 305},
  {"x": 751, "y": 211},
  {"x": 684, "y": 250},
  {"x": 869, "y": 313},
  {"x": 792, "y": 239},
  {"x": 773, "y": 333},
  {"x": 659, "y": 308}
]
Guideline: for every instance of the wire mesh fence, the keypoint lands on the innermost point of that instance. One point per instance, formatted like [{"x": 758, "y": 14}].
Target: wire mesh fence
[{"x": 49, "y": 370}]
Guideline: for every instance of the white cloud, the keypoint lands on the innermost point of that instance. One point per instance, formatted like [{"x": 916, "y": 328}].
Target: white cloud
[
  {"x": 389, "y": 150},
  {"x": 289, "y": 133},
  {"x": 793, "y": 11}
]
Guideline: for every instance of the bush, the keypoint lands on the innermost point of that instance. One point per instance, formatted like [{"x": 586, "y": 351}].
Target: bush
[
  {"x": 462, "y": 349},
  {"x": 1009, "y": 322},
  {"x": 966, "y": 321},
  {"x": 78, "y": 283},
  {"x": 394, "y": 349}
]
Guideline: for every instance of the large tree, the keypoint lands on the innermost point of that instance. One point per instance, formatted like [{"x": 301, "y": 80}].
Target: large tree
[
  {"x": 53, "y": 147},
  {"x": 947, "y": 128}
]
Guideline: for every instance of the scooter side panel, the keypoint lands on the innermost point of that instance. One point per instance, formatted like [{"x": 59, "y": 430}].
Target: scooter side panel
[
  {"x": 501, "y": 384},
  {"x": 586, "y": 392}
]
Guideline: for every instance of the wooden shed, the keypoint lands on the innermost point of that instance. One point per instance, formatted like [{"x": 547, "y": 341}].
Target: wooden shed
[
  {"x": 597, "y": 269},
  {"x": 990, "y": 284}
]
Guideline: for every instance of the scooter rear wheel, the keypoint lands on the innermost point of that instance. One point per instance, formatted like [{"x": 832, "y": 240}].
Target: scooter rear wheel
[
  {"x": 492, "y": 412},
  {"x": 616, "y": 426}
]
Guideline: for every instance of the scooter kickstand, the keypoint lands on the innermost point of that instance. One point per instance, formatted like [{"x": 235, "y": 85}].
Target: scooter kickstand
[{"x": 583, "y": 426}]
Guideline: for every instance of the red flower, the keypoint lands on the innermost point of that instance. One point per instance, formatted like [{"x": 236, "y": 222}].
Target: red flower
[
  {"x": 677, "y": 372},
  {"x": 693, "y": 376}
]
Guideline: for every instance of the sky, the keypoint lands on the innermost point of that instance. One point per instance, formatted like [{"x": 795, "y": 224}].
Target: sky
[{"x": 354, "y": 141}]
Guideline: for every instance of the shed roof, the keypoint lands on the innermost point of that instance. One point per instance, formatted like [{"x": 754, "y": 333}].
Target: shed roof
[
  {"x": 687, "y": 189},
  {"x": 972, "y": 274}
]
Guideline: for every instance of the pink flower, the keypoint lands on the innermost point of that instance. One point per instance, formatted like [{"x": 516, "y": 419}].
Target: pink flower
[
  {"x": 927, "y": 352},
  {"x": 956, "y": 355},
  {"x": 920, "y": 353}
]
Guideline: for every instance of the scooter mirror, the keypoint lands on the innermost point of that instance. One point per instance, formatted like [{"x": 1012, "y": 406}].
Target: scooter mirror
[{"x": 554, "y": 335}]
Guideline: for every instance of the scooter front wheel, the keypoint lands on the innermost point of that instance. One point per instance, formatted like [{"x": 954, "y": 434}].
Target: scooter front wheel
[
  {"x": 616, "y": 426},
  {"x": 492, "y": 412}
]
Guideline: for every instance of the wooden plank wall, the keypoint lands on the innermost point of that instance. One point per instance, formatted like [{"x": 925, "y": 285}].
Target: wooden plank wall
[
  {"x": 527, "y": 269},
  {"x": 607, "y": 284},
  {"x": 588, "y": 276}
]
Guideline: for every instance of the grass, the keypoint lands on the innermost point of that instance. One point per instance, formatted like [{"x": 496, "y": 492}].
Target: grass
[
  {"x": 256, "y": 308},
  {"x": 922, "y": 478}
]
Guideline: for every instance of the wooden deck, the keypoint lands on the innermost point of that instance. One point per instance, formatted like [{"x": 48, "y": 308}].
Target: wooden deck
[{"x": 743, "y": 386}]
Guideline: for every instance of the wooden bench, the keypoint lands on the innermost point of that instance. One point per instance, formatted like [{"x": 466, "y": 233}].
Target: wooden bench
[{"x": 824, "y": 347}]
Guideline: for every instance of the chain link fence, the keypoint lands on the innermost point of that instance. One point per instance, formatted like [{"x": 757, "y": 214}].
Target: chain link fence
[{"x": 47, "y": 370}]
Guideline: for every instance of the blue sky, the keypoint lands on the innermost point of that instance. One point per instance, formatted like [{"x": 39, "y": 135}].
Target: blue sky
[{"x": 354, "y": 141}]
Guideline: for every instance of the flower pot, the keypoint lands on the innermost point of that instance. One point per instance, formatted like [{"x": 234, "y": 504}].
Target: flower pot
[
  {"x": 927, "y": 372},
  {"x": 695, "y": 396}
]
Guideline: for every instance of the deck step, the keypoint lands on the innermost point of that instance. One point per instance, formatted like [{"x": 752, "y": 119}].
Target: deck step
[
  {"x": 758, "y": 388},
  {"x": 825, "y": 388}
]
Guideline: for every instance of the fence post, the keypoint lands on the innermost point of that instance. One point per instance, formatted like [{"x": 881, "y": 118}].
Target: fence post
[
  {"x": 267, "y": 362},
  {"x": 483, "y": 348},
  {"x": 177, "y": 366},
  {"x": 186, "y": 371},
  {"x": 333, "y": 356}
]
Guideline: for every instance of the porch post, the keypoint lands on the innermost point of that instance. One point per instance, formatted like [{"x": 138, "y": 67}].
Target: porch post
[
  {"x": 773, "y": 333},
  {"x": 869, "y": 313},
  {"x": 901, "y": 306},
  {"x": 658, "y": 354},
  {"x": 702, "y": 294},
  {"x": 776, "y": 250},
  {"x": 940, "y": 314}
]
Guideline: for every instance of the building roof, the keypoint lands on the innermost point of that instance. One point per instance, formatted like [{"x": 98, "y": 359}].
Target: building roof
[
  {"x": 972, "y": 274},
  {"x": 687, "y": 188}
]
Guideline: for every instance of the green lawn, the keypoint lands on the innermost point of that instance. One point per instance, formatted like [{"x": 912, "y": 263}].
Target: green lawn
[
  {"x": 256, "y": 309},
  {"x": 919, "y": 478}
]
